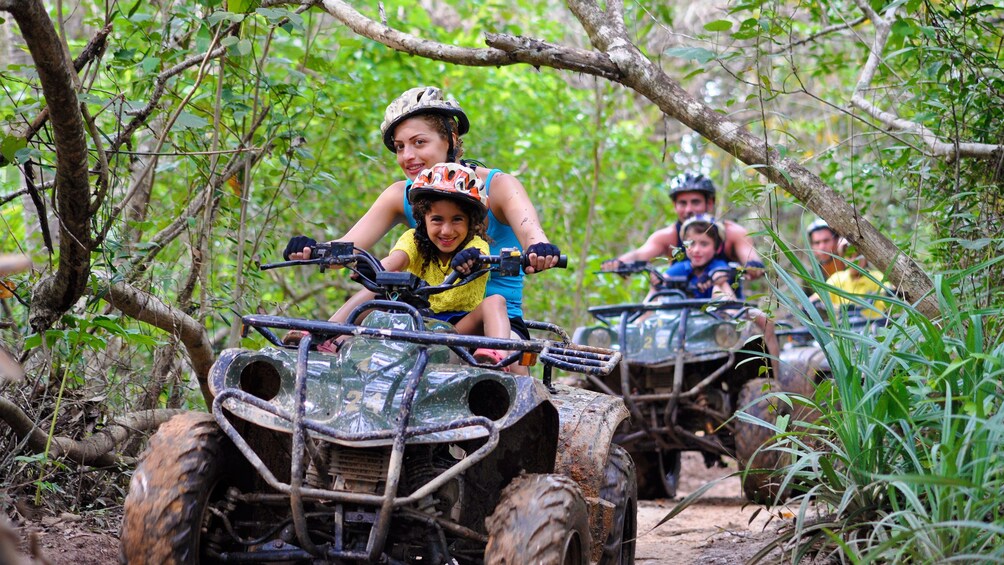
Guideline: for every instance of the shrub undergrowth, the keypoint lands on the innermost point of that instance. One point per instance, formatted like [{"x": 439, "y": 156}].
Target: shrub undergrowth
[{"x": 905, "y": 463}]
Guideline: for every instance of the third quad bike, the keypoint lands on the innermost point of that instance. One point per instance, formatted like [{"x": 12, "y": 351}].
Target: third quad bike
[
  {"x": 401, "y": 447},
  {"x": 687, "y": 365},
  {"x": 804, "y": 365}
]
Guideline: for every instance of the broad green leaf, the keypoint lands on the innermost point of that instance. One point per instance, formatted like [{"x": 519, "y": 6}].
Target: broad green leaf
[
  {"x": 718, "y": 25},
  {"x": 698, "y": 54},
  {"x": 188, "y": 121},
  {"x": 9, "y": 146}
]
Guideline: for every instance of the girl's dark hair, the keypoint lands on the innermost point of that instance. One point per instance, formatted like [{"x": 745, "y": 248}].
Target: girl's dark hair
[
  {"x": 476, "y": 226},
  {"x": 706, "y": 228}
]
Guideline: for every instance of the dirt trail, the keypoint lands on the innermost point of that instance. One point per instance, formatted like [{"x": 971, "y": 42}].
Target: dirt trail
[{"x": 715, "y": 530}]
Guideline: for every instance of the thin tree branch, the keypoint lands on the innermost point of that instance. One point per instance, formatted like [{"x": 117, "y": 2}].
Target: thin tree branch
[
  {"x": 936, "y": 147},
  {"x": 814, "y": 36},
  {"x": 94, "y": 49},
  {"x": 147, "y": 308}
]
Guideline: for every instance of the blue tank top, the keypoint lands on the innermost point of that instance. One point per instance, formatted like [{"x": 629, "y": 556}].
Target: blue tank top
[{"x": 499, "y": 236}]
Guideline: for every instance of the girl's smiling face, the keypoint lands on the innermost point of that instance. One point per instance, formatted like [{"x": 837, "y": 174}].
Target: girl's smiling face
[
  {"x": 447, "y": 225},
  {"x": 418, "y": 145},
  {"x": 701, "y": 249}
]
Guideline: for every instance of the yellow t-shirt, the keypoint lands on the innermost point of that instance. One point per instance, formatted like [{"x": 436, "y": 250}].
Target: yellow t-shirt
[
  {"x": 859, "y": 285},
  {"x": 461, "y": 299}
]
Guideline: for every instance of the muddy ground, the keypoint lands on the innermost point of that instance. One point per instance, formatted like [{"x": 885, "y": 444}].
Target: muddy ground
[{"x": 716, "y": 530}]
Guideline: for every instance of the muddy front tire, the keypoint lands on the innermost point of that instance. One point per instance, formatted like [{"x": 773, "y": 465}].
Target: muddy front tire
[
  {"x": 540, "y": 519},
  {"x": 763, "y": 486},
  {"x": 188, "y": 463},
  {"x": 620, "y": 486}
]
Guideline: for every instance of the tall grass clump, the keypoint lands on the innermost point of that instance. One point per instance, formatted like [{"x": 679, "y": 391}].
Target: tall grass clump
[{"x": 904, "y": 463}]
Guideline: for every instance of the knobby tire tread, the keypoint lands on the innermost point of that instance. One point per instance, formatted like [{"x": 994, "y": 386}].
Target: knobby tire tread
[
  {"x": 620, "y": 486},
  {"x": 168, "y": 492},
  {"x": 534, "y": 516}
]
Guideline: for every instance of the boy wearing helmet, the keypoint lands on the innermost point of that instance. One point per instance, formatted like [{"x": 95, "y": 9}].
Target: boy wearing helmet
[
  {"x": 706, "y": 273},
  {"x": 692, "y": 195},
  {"x": 422, "y": 128}
]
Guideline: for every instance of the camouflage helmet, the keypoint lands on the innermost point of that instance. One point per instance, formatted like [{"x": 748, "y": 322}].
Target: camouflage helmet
[
  {"x": 690, "y": 182},
  {"x": 417, "y": 101},
  {"x": 450, "y": 180}
]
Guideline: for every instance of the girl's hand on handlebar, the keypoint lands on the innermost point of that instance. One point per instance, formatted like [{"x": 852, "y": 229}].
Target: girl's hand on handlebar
[
  {"x": 467, "y": 261},
  {"x": 541, "y": 256}
]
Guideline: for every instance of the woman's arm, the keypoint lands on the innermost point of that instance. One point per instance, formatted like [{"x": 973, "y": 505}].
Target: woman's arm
[
  {"x": 385, "y": 213},
  {"x": 511, "y": 205}
]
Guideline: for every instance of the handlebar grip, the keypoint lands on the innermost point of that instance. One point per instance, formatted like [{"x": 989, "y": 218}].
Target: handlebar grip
[{"x": 562, "y": 262}]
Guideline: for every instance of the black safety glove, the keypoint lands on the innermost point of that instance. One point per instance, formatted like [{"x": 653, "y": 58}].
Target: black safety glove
[
  {"x": 543, "y": 249},
  {"x": 469, "y": 254},
  {"x": 296, "y": 245},
  {"x": 363, "y": 269}
]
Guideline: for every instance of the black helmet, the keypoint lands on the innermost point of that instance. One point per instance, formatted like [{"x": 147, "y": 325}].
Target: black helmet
[{"x": 690, "y": 182}]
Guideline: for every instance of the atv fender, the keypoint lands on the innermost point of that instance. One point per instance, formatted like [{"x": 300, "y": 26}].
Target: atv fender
[
  {"x": 588, "y": 421},
  {"x": 807, "y": 363},
  {"x": 587, "y": 424}
]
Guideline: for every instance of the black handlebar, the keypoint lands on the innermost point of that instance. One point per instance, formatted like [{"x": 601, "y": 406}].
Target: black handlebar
[
  {"x": 509, "y": 261},
  {"x": 404, "y": 286}
]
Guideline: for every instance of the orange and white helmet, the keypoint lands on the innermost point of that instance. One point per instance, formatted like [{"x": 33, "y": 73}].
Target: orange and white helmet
[{"x": 451, "y": 180}]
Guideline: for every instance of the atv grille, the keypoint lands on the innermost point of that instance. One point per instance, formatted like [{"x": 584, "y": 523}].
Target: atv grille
[{"x": 355, "y": 469}]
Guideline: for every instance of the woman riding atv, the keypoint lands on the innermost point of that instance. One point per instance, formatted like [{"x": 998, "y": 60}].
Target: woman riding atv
[{"x": 422, "y": 128}]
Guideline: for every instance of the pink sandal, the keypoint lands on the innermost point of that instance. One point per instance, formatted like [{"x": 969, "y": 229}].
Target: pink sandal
[{"x": 490, "y": 356}]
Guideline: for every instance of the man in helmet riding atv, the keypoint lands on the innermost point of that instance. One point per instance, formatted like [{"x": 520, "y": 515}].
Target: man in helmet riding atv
[{"x": 694, "y": 194}]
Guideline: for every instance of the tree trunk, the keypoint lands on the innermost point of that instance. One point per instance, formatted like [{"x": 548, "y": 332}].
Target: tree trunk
[{"x": 58, "y": 291}]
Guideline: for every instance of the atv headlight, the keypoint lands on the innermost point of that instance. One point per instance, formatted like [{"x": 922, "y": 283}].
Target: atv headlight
[
  {"x": 261, "y": 379},
  {"x": 599, "y": 337},
  {"x": 726, "y": 336}
]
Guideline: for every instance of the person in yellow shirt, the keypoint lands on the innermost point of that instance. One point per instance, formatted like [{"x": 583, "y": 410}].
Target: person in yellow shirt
[
  {"x": 853, "y": 281},
  {"x": 449, "y": 206}
]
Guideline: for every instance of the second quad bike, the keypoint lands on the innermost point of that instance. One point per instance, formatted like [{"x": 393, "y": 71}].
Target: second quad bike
[
  {"x": 687, "y": 365},
  {"x": 804, "y": 366},
  {"x": 400, "y": 447}
]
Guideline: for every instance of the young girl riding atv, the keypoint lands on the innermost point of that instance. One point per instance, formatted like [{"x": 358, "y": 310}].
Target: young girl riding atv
[{"x": 449, "y": 206}]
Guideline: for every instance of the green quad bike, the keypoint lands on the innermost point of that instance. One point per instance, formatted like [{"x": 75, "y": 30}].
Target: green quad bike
[
  {"x": 399, "y": 448},
  {"x": 804, "y": 366},
  {"x": 687, "y": 365}
]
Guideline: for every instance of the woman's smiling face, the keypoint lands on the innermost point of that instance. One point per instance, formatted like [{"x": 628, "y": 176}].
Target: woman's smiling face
[{"x": 419, "y": 145}]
